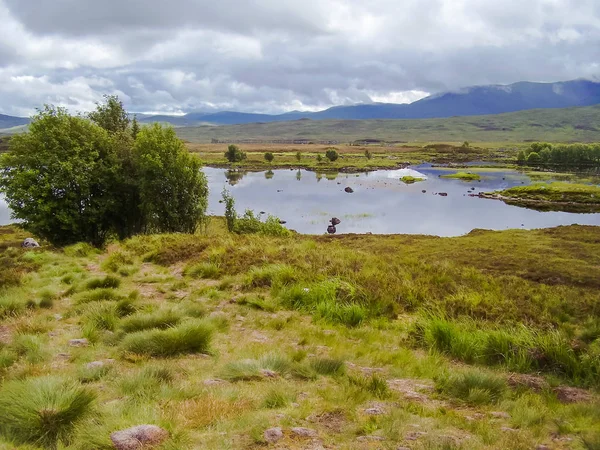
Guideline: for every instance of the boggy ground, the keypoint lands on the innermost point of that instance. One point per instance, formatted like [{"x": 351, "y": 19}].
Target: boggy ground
[
  {"x": 351, "y": 157},
  {"x": 485, "y": 341}
]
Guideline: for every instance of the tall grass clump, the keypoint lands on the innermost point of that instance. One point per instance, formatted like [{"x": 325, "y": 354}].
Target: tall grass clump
[
  {"x": 116, "y": 261},
  {"x": 349, "y": 314},
  {"x": 517, "y": 348},
  {"x": 161, "y": 319},
  {"x": 98, "y": 295},
  {"x": 276, "y": 276},
  {"x": 205, "y": 270},
  {"x": 191, "y": 337},
  {"x": 11, "y": 304},
  {"x": 473, "y": 387},
  {"x": 107, "y": 282},
  {"x": 254, "y": 369},
  {"x": 328, "y": 366},
  {"x": 43, "y": 411}
]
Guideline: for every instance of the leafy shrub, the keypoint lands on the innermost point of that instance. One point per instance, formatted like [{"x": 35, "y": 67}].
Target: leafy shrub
[
  {"x": 192, "y": 337},
  {"x": 234, "y": 154},
  {"x": 269, "y": 157},
  {"x": 331, "y": 154},
  {"x": 43, "y": 411},
  {"x": 368, "y": 154},
  {"x": 298, "y": 156},
  {"x": 249, "y": 223}
]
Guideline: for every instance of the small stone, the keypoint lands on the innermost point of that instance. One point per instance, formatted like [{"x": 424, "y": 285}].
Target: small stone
[
  {"x": 500, "y": 415},
  {"x": 542, "y": 447},
  {"x": 375, "y": 411},
  {"x": 30, "y": 243},
  {"x": 512, "y": 430},
  {"x": 138, "y": 437},
  {"x": 567, "y": 394},
  {"x": 349, "y": 190},
  {"x": 214, "y": 382},
  {"x": 370, "y": 438},
  {"x": 79, "y": 342},
  {"x": 272, "y": 435},
  {"x": 95, "y": 365},
  {"x": 414, "y": 435},
  {"x": 58, "y": 317},
  {"x": 304, "y": 432},
  {"x": 402, "y": 448},
  {"x": 268, "y": 373}
]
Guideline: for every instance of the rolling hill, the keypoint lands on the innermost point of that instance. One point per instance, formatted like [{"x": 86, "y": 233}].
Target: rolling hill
[{"x": 554, "y": 125}]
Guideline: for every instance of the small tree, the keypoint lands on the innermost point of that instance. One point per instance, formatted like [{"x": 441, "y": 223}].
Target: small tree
[
  {"x": 234, "y": 154},
  {"x": 135, "y": 127},
  {"x": 60, "y": 178},
  {"x": 230, "y": 214},
  {"x": 521, "y": 158},
  {"x": 533, "y": 158},
  {"x": 173, "y": 190},
  {"x": 319, "y": 158},
  {"x": 331, "y": 154},
  {"x": 110, "y": 115},
  {"x": 368, "y": 154},
  {"x": 269, "y": 157},
  {"x": 298, "y": 156}
]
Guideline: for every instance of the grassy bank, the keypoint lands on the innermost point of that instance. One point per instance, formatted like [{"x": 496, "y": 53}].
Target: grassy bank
[
  {"x": 350, "y": 157},
  {"x": 485, "y": 341},
  {"x": 556, "y": 196}
]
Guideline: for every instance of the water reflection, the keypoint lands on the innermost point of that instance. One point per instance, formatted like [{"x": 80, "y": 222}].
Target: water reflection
[
  {"x": 381, "y": 203},
  {"x": 269, "y": 174},
  {"x": 234, "y": 176}
]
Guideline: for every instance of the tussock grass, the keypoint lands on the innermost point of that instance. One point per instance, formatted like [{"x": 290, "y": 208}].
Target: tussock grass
[
  {"x": 30, "y": 347},
  {"x": 271, "y": 275},
  {"x": 328, "y": 366},
  {"x": 473, "y": 387},
  {"x": 92, "y": 374},
  {"x": 107, "y": 282},
  {"x": 206, "y": 270},
  {"x": 190, "y": 337},
  {"x": 43, "y": 411},
  {"x": 375, "y": 385},
  {"x": 521, "y": 349},
  {"x": 80, "y": 250},
  {"x": 277, "y": 397},
  {"x": 118, "y": 261},
  {"x": 147, "y": 382},
  {"x": 252, "y": 369},
  {"x": 161, "y": 319},
  {"x": 12, "y": 303}
]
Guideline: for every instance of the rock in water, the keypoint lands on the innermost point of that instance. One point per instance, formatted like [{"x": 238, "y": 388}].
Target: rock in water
[
  {"x": 30, "y": 243},
  {"x": 335, "y": 221},
  {"x": 331, "y": 229},
  {"x": 349, "y": 190},
  {"x": 141, "y": 436}
]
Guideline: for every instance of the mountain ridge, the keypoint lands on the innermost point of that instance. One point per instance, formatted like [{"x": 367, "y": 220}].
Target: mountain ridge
[{"x": 470, "y": 101}]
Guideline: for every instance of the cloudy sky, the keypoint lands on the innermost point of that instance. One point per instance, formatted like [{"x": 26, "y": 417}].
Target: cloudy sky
[{"x": 278, "y": 55}]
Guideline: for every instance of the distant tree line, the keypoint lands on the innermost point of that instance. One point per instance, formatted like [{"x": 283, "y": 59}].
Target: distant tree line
[
  {"x": 89, "y": 178},
  {"x": 542, "y": 153}
]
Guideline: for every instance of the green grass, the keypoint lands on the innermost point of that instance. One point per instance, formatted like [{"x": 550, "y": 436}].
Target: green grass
[
  {"x": 410, "y": 180},
  {"x": 465, "y": 176},
  {"x": 107, "y": 282},
  {"x": 314, "y": 331},
  {"x": 43, "y": 411},
  {"x": 191, "y": 337}
]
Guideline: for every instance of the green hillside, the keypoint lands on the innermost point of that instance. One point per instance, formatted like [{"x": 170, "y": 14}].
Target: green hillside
[{"x": 555, "y": 125}]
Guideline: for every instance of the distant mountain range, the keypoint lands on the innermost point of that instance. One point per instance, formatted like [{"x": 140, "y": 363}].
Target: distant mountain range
[{"x": 473, "y": 101}]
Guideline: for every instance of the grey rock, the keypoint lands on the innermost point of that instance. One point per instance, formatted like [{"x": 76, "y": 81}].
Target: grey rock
[
  {"x": 138, "y": 437},
  {"x": 79, "y": 342},
  {"x": 331, "y": 229},
  {"x": 500, "y": 415},
  {"x": 335, "y": 221},
  {"x": 272, "y": 435},
  {"x": 30, "y": 243},
  {"x": 370, "y": 438},
  {"x": 304, "y": 432},
  {"x": 349, "y": 190},
  {"x": 268, "y": 373}
]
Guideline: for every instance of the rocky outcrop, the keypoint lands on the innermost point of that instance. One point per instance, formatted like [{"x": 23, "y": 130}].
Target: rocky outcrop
[
  {"x": 273, "y": 435},
  {"x": 138, "y": 437}
]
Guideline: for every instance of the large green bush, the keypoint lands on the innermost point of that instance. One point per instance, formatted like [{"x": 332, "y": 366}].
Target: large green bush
[{"x": 75, "y": 179}]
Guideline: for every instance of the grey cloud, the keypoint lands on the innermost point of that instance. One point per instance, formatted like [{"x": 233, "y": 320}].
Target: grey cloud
[{"x": 269, "y": 56}]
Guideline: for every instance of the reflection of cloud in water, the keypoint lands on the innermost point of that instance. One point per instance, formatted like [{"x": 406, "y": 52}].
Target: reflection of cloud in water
[
  {"x": 381, "y": 203},
  {"x": 404, "y": 173}
]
